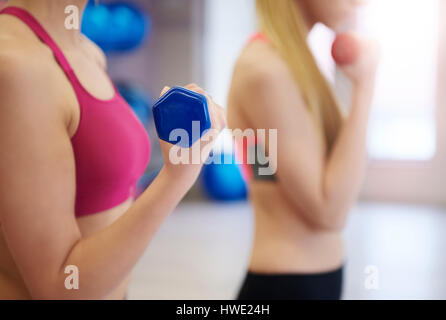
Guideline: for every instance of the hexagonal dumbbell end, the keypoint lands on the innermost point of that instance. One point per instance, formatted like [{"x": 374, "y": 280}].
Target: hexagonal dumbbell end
[{"x": 181, "y": 116}]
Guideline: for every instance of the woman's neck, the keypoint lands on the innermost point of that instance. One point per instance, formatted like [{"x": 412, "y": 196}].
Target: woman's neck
[
  {"x": 51, "y": 14},
  {"x": 308, "y": 20}
]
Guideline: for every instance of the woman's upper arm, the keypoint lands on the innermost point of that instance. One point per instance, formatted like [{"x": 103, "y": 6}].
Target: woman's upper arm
[
  {"x": 272, "y": 100},
  {"x": 37, "y": 179}
]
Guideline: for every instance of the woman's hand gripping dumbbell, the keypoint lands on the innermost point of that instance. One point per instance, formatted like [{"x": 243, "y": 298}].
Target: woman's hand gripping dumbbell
[{"x": 188, "y": 122}]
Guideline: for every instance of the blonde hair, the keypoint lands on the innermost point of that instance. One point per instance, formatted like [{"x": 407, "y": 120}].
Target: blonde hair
[{"x": 282, "y": 23}]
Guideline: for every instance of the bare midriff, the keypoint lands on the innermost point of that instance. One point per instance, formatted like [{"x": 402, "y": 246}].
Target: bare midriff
[{"x": 283, "y": 241}]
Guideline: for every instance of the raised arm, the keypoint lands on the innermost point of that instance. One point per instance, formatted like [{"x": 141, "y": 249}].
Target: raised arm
[
  {"x": 37, "y": 189},
  {"x": 322, "y": 187}
]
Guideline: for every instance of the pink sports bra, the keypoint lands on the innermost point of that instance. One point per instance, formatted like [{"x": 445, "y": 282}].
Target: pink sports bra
[
  {"x": 111, "y": 147},
  {"x": 259, "y": 36}
]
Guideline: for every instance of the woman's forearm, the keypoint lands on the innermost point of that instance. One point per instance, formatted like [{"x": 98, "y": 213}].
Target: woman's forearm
[
  {"x": 345, "y": 165},
  {"x": 104, "y": 259}
]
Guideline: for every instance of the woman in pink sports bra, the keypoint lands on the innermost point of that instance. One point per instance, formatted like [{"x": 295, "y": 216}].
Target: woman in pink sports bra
[{"x": 72, "y": 152}]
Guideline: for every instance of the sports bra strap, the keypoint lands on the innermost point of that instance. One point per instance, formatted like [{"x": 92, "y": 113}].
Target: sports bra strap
[
  {"x": 259, "y": 36},
  {"x": 37, "y": 28}
]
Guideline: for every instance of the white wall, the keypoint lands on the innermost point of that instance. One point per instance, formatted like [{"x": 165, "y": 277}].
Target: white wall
[{"x": 228, "y": 25}]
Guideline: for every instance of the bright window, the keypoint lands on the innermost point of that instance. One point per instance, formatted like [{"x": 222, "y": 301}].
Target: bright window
[{"x": 403, "y": 116}]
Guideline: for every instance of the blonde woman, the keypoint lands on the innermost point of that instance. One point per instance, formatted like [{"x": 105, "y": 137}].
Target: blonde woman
[{"x": 300, "y": 211}]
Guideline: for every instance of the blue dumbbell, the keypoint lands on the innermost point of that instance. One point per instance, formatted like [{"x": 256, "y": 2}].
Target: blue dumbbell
[{"x": 179, "y": 108}]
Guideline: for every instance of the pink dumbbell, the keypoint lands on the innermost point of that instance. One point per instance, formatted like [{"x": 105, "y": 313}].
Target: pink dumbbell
[{"x": 345, "y": 49}]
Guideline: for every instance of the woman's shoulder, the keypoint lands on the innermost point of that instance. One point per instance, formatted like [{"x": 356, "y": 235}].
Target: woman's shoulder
[
  {"x": 19, "y": 46},
  {"x": 259, "y": 65},
  {"x": 26, "y": 79},
  {"x": 262, "y": 80},
  {"x": 22, "y": 61}
]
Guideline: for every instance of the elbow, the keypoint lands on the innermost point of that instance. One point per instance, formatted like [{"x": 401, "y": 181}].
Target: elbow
[
  {"x": 331, "y": 224},
  {"x": 50, "y": 292},
  {"x": 60, "y": 290},
  {"x": 329, "y": 220},
  {"x": 46, "y": 294},
  {"x": 54, "y": 290},
  {"x": 331, "y": 214}
]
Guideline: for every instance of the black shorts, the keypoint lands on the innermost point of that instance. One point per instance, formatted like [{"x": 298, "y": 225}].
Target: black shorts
[{"x": 311, "y": 286}]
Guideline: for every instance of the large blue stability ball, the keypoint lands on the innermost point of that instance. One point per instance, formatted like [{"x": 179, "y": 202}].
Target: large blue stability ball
[
  {"x": 115, "y": 27},
  {"x": 224, "y": 182}
]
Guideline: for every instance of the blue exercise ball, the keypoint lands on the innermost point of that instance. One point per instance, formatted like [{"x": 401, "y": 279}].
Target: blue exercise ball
[
  {"x": 96, "y": 25},
  {"x": 224, "y": 182},
  {"x": 115, "y": 27},
  {"x": 130, "y": 27}
]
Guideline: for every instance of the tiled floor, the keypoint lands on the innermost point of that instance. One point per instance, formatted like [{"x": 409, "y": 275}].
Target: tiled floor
[{"x": 202, "y": 250}]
